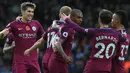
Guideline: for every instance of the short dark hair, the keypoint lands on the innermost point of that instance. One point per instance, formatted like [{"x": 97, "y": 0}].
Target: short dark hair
[
  {"x": 25, "y": 5},
  {"x": 123, "y": 17},
  {"x": 105, "y": 16},
  {"x": 75, "y": 12}
]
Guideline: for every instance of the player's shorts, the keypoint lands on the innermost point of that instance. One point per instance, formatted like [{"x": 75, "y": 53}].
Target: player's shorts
[
  {"x": 57, "y": 67},
  {"x": 45, "y": 67},
  {"x": 24, "y": 67}
]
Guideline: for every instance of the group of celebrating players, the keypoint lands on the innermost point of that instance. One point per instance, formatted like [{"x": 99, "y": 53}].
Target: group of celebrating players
[{"x": 109, "y": 44}]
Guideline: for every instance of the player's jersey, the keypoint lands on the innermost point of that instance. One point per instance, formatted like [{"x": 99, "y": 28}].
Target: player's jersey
[
  {"x": 118, "y": 60},
  {"x": 25, "y": 36},
  {"x": 104, "y": 42},
  {"x": 10, "y": 38},
  {"x": 50, "y": 33},
  {"x": 67, "y": 34}
]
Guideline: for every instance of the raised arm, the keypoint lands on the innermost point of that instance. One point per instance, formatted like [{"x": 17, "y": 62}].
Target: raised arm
[
  {"x": 75, "y": 26},
  {"x": 71, "y": 24}
]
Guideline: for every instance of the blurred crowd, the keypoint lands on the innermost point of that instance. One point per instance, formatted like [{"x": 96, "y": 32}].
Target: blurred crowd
[{"x": 46, "y": 12}]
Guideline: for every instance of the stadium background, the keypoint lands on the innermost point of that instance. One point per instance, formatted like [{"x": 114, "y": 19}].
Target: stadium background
[{"x": 47, "y": 11}]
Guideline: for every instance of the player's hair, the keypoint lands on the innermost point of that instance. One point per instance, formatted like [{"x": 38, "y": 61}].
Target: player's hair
[
  {"x": 75, "y": 12},
  {"x": 123, "y": 17},
  {"x": 105, "y": 16},
  {"x": 25, "y": 5},
  {"x": 66, "y": 10}
]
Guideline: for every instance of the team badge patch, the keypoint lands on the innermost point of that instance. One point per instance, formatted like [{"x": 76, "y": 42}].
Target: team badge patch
[{"x": 34, "y": 28}]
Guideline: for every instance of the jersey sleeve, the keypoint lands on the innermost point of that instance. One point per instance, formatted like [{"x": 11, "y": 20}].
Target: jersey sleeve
[
  {"x": 76, "y": 27},
  {"x": 40, "y": 29},
  {"x": 10, "y": 38},
  {"x": 90, "y": 31},
  {"x": 64, "y": 33},
  {"x": 10, "y": 26},
  {"x": 122, "y": 39}
]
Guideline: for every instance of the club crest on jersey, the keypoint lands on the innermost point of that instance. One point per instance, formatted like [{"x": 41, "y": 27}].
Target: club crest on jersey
[{"x": 34, "y": 28}]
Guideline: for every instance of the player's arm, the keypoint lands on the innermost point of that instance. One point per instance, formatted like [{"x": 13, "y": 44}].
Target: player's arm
[
  {"x": 38, "y": 44},
  {"x": 4, "y": 33},
  {"x": 63, "y": 34},
  {"x": 59, "y": 48},
  {"x": 76, "y": 27},
  {"x": 71, "y": 24},
  {"x": 18, "y": 18},
  {"x": 8, "y": 47}
]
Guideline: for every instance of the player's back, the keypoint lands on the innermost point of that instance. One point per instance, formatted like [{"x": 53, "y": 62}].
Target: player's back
[
  {"x": 104, "y": 42},
  {"x": 118, "y": 60},
  {"x": 48, "y": 36}
]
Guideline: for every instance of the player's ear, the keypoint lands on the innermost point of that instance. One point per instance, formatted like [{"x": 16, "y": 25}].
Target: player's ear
[
  {"x": 69, "y": 16},
  {"x": 117, "y": 22},
  {"x": 22, "y": 11},
  {"x": 98, "y": 20},
  {"x": 59, "y": 16}
]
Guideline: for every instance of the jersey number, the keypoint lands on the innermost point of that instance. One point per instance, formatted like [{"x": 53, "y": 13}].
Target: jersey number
[
  {"x": 50, "y": 36},
  {"x": 123, "y": 48},
  {"x": 104, "y": 48}
]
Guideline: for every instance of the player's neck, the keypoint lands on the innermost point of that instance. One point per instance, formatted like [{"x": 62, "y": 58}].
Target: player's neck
[
  {"x": 104, "y": 26},
  {"x": 24, "y": 20},
  {"x": 120, "y": 26}
]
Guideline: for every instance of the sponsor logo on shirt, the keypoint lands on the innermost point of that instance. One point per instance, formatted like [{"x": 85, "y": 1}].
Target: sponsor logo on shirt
[{"x": 27, "y": 35}]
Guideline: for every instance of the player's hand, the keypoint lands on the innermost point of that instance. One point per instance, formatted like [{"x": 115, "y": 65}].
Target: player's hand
[
  {"x": 27, "y": 52},
  {"x": 68, "y": 59},
  {"x": 54, "y": 47},
  {"x": 13, "y": 44},
  {"x": 64, "y": 16},
  {"x": 1, "y": 36},
  {"x": 18, "y": 18}
]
